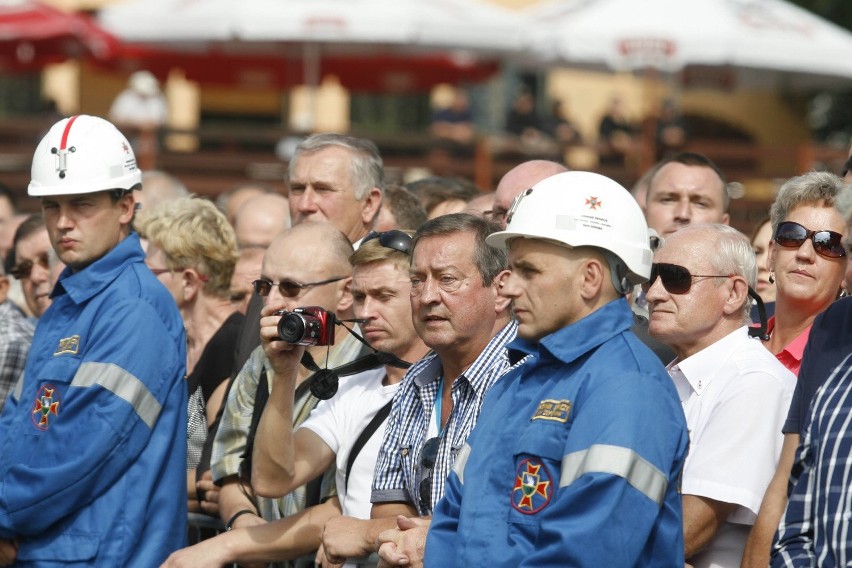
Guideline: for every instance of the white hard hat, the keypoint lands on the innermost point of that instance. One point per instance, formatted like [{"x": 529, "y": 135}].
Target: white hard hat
[
  {"x": 83, "y": 154},
  {"x": 585, "y": 209}
]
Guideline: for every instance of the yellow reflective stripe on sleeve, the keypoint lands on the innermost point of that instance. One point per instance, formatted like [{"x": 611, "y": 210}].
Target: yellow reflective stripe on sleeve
[
  {"x": 123, "y": 385},
  {"x": 616, "y": 460},
  {"x": 461, "y": 461}
]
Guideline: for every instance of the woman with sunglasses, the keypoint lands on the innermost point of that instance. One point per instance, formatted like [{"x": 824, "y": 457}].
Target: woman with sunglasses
[{"x": 806, "y": 260}]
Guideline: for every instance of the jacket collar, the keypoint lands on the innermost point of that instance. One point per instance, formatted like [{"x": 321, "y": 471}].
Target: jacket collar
[{"x": 89, "y": 282}]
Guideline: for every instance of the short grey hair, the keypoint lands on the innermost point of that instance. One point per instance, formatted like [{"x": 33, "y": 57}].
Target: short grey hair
[
  {"x": 732, "y": 253},
  {"x": 843, "y": 203},
  {"x": 365, "y": 168},
  {"x": 812, "y": 188},
  {"x": 489, "y": 261}
]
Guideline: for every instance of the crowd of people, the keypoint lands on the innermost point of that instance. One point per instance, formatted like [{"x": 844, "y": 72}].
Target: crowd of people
[{"x": 558, "y": 372}]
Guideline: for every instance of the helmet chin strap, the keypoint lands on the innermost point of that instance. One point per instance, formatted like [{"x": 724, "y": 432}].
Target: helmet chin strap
[{"x": 618, "y": 272}]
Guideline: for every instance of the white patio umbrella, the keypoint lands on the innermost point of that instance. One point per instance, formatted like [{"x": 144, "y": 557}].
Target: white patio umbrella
[
  {"x": 765, "y": 43},
  {"x": 466, "y": 30}
]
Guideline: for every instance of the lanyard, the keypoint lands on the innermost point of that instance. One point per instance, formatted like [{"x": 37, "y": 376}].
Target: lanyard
[{"x": 438, "y": 401}]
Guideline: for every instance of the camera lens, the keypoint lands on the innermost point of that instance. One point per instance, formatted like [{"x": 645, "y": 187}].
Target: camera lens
[{"x": 291, "y": 328}]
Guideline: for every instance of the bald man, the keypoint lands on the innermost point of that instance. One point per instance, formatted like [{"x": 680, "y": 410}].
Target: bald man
[{"x": 519, "y": 178}]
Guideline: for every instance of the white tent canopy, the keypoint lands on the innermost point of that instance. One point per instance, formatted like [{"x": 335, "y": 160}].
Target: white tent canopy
[
  {"x": 402, "y": 24},
  {"x": 767, "y": 43}
]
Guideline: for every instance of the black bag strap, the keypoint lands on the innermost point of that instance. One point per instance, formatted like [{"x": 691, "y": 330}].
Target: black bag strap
[
  {"x": 366, "y": 434},
  {"x": 261, "y": 395}
]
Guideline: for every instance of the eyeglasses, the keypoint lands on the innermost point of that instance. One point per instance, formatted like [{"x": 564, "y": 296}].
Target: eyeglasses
[
  {"x": 446, "y": 282},
  {"x": 428, "y": 456},
  {"x": 288, "y": 288},
  {"x": 23, "y": 269},
  {"x": 826, "y": 243},
  {"x": 394, "y": 239},
  {"x": 676, "y": 279}
]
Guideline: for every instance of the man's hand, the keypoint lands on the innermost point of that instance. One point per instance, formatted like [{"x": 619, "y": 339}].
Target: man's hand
[
  {"x": 209, "y": 493},
  {"x": 405, "y": 545},
  {"x": 8, "y": 551},
  {"x": 345, "y": 537},
  {"x": 283, "y": 357}
]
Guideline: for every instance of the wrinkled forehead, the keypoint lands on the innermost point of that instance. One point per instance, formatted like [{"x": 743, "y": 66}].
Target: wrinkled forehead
[
  {"x": 693, "y": 249},
  {"x": 437, "y": 252},
  {"x": 33, "y": 245}
]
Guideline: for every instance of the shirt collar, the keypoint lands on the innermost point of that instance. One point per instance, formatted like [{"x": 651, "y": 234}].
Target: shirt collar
[
  {"x": 478, "y": 374},
  {"x": 88, "y": 282},
  {"x": 795, "y": 348},
  {"x": 577, "y": 339},
  {"x": 700, "y": 368}
]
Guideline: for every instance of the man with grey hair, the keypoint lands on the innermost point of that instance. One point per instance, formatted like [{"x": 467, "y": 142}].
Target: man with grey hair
[
  {"x": 735, "y": 393},
  {"x": 337, "y": 179}
]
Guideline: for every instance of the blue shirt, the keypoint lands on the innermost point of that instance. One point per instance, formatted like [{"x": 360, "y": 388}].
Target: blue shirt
[
  {"x": 815, "y": 528},
  {"x": 575, "y": 459},
  {"x": 828, "y": 344},
  {"x": 93, "y": 444}
]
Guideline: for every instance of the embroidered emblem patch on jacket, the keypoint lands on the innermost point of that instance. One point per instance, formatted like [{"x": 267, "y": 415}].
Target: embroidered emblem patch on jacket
[
  {"x": 46, "y": 403},
  {"x": 533, "y": 487},
  {"x": 556, "y": 410},
  {"x": 68, "y": 345}
]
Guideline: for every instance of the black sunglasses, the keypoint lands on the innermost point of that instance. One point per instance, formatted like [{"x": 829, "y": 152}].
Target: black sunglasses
[
  {"x": 826, "y": 243},
  {"x": 288, "y": 288},
  {"x": 428, "y": 456},
  {"x": 23, "y": 269},
  {"x": 394, "y": 239},
  {"x": 676, "y": 279}
]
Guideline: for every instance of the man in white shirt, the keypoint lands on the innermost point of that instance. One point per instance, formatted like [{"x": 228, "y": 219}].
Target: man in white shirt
[{"x": 735, "y": 394}]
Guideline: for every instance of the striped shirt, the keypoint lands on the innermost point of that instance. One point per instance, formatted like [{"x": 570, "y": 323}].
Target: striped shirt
[
  {"x": 815, "y": 530},
  {"x": 398, "y": 471}
]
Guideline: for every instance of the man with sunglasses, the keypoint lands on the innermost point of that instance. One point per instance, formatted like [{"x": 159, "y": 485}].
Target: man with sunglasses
[
  {"x": 334, "y": 433},
  {"x": 734, "y": 392},
  {"x": 34, "y": 264},
  {"x": 576, "y": 455},
  {"x": 306, "y": 265}
]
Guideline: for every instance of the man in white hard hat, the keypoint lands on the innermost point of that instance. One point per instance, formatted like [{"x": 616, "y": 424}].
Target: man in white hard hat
[
  {"x": 93, "y": 459},
  {"x": 576, "y": 455}
]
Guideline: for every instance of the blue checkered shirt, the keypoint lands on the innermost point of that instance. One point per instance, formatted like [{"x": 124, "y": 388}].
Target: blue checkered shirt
[
  {"x": 16, "y": 335},
  {"x": 815, "y": 530},
  {"x": 398, "y": 471}
]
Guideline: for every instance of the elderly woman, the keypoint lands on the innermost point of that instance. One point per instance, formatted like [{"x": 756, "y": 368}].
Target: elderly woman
[
  {"x": 192, "y": 250},
  {"x": 806, "y": 260}
]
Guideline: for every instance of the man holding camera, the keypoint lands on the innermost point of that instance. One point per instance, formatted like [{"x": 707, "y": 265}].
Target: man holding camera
[
  {"x": 307, "y": 265},
  {"x": 335, "y": 431}
]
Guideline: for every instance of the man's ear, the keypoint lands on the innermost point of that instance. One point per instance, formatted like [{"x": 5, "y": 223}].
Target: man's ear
[
  {"x": 737, "y": 295},
  {"x": 371, "y": 206},
  {"x": 192, "y": 283},
  {"x": 127, "y": 204},
  {"x": 593, "y": 273},
  {"x": 344, "y": 305},
  {"x": 501, "y": 302}
]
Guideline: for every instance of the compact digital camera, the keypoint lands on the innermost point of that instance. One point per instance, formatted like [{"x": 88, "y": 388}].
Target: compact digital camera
[{"x": 310, "y": 325}]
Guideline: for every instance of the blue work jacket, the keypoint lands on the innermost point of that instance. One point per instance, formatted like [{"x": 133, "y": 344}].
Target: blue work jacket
[
  {"x": 575, "y": 459},
  {"x": 93, "y": 441}
]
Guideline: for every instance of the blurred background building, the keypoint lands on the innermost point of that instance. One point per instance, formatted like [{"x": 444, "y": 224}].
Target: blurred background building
[{"x": 243, "y": 80}]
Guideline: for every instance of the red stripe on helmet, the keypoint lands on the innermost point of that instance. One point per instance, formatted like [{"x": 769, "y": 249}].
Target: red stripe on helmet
[{"x": 66, "y": 132}]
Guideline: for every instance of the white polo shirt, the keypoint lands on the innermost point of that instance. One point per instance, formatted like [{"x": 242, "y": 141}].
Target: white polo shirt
[{"x": 735, "y": 395}]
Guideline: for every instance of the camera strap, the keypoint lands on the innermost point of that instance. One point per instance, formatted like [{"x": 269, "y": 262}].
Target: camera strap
[{"x": 324, "y": 382}]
